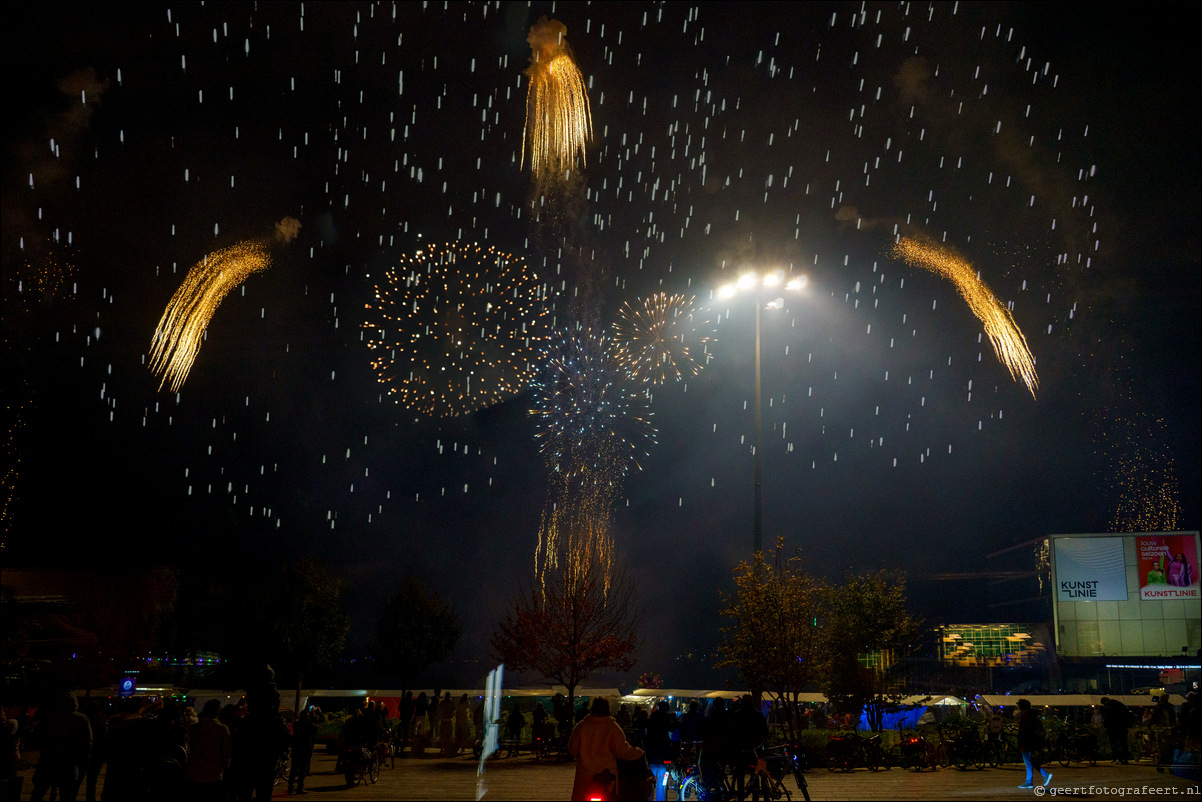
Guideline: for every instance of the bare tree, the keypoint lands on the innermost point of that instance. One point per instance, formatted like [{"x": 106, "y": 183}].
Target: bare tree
[{"x": 570, "y": 626}]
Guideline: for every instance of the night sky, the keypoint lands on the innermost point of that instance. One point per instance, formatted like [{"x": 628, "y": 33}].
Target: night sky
[{"x": 1054, "y": 147}]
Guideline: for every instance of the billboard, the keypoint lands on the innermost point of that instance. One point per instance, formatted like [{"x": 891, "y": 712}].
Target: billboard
[
  {"x": 1168, "y": 566},
  {"x": 1090, "y": 569}
]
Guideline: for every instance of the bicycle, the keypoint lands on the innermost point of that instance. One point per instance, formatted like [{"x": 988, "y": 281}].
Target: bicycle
[
  {"x": 763, "y": 779},
  {"x": 1002, "y": 748},
  {"x": 1076, "y": 744},
  {"x": 962, "y": 748},
  {"x": 845, "y": 752},
  {"x": 916, "y": 752},
  {"x": 359, "y": 767},
  {"x": 682, "y": 768},
  {"x": 797, "y": 764}
]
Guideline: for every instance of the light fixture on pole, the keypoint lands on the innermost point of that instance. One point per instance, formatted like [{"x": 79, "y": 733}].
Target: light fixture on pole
[{"x": 759, "y": 286}]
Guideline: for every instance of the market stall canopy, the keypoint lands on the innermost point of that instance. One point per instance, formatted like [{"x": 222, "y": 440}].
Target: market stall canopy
[
  {"x": 1078, "y": 699},
  {"x": 935, "y": 700}
]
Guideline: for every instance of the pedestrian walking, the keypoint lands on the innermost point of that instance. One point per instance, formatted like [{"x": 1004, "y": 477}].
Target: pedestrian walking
[{"x": 1030, "y": 742}]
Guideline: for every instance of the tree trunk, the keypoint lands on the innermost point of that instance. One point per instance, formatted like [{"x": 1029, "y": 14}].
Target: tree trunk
[{"x": 296, "y": 705}]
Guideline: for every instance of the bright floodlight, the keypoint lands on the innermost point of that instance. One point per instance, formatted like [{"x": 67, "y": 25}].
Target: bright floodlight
[
  {"x": 747, "y": 280},
  {"x": 796, "y": 284},
  {"x": 772, "y": 279},
  {"x": 727, "y": 291}
]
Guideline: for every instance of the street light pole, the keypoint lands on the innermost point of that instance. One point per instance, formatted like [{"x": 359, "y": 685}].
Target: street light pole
[
  {"x": 756, "y": 285},
  {"x": 758, "y": 540}
]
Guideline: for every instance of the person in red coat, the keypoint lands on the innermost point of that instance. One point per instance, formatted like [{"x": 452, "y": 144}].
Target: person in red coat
[{"x": 598, "y": 743}]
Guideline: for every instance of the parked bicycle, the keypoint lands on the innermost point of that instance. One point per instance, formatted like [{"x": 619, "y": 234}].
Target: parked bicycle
[
  {"x": 1002, "y": 748},
  {"x": 1075, "y": 744},
  {"x": 763, "y": 779},
  {"x": 846, "y": 751},
  {"x": 359, "y": 766},
  {"x": 915, "y": 752},
  {"x": 960, "y": 746},
  {"x": 797, "y": 764}
]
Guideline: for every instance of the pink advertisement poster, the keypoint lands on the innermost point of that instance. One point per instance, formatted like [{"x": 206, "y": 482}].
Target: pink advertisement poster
[{"x": 1168, "y": 566}]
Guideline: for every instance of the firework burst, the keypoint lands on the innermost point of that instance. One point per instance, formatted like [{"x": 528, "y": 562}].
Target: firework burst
[
  {"x": 657, "y": 340},
  {"x": 1007, "y": 339},
  {"x": 180, "y": 331},
  {"x": 558, "y": 121},
  {"x": 587, "y": 415},
  {"x": 456, "y": 328}
]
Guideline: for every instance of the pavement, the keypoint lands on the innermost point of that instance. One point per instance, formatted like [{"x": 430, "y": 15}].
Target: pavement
[{"x": 520, "y": 778}]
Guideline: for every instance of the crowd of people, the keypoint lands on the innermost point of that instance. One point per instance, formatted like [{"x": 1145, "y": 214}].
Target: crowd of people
[
  {"x": 152, "y": 750},
  {"x": 237, "y": 752}
]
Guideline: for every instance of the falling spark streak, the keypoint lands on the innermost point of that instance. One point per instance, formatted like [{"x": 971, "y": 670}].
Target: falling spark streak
[
  {"x": 649, "y": 339},
  {"x": 1008, "y": 341},
  {"x": 180, "y": 331},
  {"x": 558, "y": 121}
]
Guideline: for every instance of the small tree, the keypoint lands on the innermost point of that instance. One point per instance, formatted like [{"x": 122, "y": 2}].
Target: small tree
[
  {"x": 570, "y": 627},
  {"x": 867, "y": 614},
  {"x": 309, "y": 619},
  {"x": 774, "y": 640},
  {"x": 415, "y": 629}
]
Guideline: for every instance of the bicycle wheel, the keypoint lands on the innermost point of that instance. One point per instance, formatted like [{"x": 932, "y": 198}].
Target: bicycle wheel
[
  {"x": 691, "y": 790},
  {"x": 772, "y": 789},
  {"x": 373, "y": 772}
]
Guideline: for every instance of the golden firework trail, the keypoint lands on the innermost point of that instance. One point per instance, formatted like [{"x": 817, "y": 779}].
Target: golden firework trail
[
  {"x": 574, "y": 533},
  {"x": 1008, "y": 341},
  {"x": 558, "y": 121},
  {"x": 180, "y": 331}
]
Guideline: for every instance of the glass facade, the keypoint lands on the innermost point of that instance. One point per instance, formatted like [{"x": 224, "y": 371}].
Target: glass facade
[{"x": 990, "y": 644}]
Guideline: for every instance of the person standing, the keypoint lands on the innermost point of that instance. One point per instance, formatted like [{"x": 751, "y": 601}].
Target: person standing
[
  {"x": 689, "y": 723},
  {"x": 446, "y": 722},
  {"x": 1030, "y": 742},
  {"x": 717, "y": 738},
  {"x": 750, "y": 731},
  {"x": 99, "y": 747},
  {"x": 661, "y": 750},
  {"x": 597, "y": 743},
  {"x": 406, "y": 712},
  {"x": 304, "y": 734},
  {"x": 1117, "y": 720},
  {"x": 261, "y": 738},
  {"x": 66, "y": 739},
  {"x": 463, "y": 723},
  {"x": 209, "y": 752}
]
